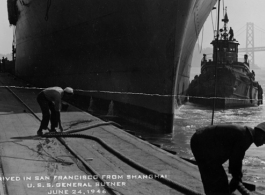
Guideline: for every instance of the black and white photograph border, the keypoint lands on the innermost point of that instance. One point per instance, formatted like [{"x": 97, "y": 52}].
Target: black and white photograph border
[{"x": 103, "y": 97}]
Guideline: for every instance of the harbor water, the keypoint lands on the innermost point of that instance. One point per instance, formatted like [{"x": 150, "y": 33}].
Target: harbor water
[{"x": 189, "y": 117}]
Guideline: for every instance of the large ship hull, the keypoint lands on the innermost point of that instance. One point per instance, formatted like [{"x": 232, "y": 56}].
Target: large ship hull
[{"x": 135, "y": 55}]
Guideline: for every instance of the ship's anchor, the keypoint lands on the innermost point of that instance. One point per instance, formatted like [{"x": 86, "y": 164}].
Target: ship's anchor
[{"x": 49, "y": 2}]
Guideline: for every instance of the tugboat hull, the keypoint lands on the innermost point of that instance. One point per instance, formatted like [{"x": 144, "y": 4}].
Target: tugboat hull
[{"x": 233, "y": 89}]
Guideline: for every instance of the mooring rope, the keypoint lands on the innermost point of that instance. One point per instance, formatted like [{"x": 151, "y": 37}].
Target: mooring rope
[{"x": 135, "y": 93}]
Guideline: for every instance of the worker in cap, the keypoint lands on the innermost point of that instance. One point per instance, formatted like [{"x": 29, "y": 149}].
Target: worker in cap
[
  {"x": 213, "y": 145},
  {"x": 69, "y": 90},
  {"x": 50, "y": 101}
]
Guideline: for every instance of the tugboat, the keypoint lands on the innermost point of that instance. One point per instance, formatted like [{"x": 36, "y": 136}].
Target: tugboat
[{"x": 235, "y": 84}]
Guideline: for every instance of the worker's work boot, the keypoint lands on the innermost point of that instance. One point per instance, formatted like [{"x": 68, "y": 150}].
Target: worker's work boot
[
  {"x": 39, "y": 132},
  {"x": 53, "y": 130}
]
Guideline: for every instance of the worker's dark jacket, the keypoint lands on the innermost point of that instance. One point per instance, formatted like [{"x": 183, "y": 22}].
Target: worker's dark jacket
[{"x": 219, "y": 143}]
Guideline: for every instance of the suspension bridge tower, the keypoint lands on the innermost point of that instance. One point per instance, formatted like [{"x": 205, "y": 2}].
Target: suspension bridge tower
[{"x": 250, "y": 42}]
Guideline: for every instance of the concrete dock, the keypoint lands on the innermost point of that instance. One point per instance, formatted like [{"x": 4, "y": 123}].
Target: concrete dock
[{"x": 37, "y": 165}]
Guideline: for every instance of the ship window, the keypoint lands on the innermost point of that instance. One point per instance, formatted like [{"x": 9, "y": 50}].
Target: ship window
[{"x": 232, "y": 47}]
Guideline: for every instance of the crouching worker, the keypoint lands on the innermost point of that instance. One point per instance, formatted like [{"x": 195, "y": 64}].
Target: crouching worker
[
  {"x": 50, "y": 100},
  {"x": 214, "y": 145}
]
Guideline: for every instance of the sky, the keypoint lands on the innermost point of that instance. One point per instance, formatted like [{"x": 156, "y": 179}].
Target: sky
[
  {"x": 6, "y": 32},
  {"x": 239, "y": 12}
]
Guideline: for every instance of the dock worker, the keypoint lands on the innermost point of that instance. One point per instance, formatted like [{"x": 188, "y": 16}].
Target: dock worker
[
  {"x": 231, "y": 32},
  {"x": 214, "y": 145},
  {"x": 50, "y": 100},
  {"x": 3, "y": 64}
]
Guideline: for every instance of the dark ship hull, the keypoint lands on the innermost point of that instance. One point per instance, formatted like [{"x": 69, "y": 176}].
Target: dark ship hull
[{"x": 133, "y": 55}]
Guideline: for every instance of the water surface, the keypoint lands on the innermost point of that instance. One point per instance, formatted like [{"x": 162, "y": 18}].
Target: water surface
[{"x": 190, "y": 117}]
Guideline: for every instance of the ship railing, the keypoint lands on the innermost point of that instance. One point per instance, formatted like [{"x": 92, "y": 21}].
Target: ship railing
[
  {"x": 210, "y": 63},
  {"x": 240, "y": 96},
  {"x": 243, "y": 97}
]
